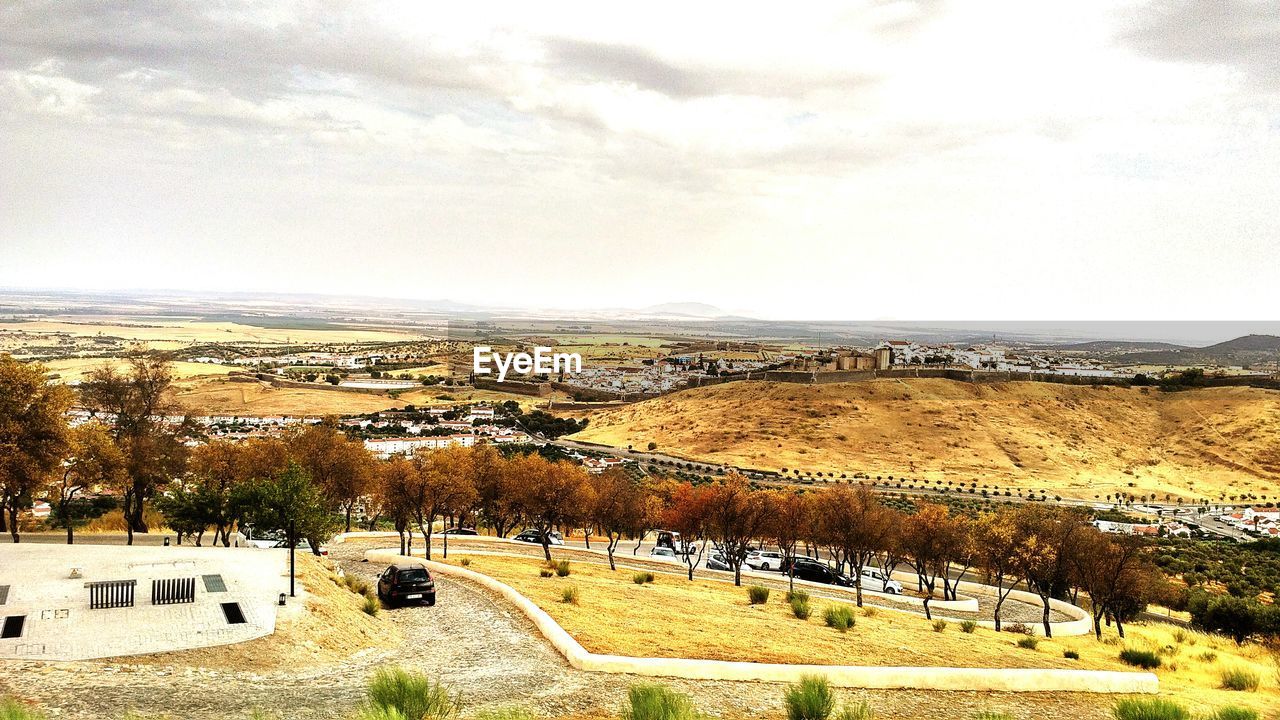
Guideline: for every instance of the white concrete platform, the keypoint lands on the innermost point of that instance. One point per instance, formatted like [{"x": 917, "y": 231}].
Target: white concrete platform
[{"x": 59, "y": 624}]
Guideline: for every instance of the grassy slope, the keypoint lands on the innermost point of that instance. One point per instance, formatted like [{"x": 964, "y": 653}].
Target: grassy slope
[
  {"x": 1080, "y": 441},
  {"x": 704, "y": 619}
]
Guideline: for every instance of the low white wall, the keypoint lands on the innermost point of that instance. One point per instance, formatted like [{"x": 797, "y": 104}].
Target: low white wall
[{"x": 927, "y": 678}]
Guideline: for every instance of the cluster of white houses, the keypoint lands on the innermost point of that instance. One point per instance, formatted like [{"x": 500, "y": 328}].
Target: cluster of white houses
[
  {"x": 988, "y": 357},
  {"x": 1258, "y": 521}
]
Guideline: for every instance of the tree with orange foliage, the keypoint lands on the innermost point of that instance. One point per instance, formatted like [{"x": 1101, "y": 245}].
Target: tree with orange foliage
[
  {"x": 857, "y": 525},
  {"x": 443, "y": 486},
  {"x": 790, "y": 516},
  {"x": 339, "y": 466},
  {"x": 686, "y": 513},
  {"x": 552, "y": 494},
  {"x": 928, "y": 540},
  {"x": 618, "y": 503},
  {"x": 736, "y": 516}
]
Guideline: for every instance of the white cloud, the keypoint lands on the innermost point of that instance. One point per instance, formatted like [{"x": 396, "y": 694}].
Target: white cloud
[{"x": 832, "y": 160}]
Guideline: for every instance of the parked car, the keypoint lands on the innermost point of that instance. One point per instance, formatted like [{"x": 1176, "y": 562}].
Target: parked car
[
  {"x": 765, "y": 560},
  {"x": 534, "y": 536},
  {"x": 460, "y": 531},
  {"x": 818, "y": 572},
  {"x": 303, "y": 546},
  {"x": 875, "y": 581},
  {"x": 406, "y": 583},
  {"x": 716, "y": 561},
  {"x": 662, "y": 553}
]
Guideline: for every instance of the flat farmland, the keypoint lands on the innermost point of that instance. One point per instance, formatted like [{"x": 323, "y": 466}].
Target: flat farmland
[
  {"x": 78, "y": 368},
  {"x": 177, "y": 333}
]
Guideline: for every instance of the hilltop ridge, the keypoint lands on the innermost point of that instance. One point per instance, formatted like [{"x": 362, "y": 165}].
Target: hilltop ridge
[{"x": 1080, "y": 441}]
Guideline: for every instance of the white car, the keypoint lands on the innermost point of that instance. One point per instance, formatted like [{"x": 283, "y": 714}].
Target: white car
[
  {"x": 764, "y": 560},
  {"x": 875, "y": 581},
  {"x": 662, "y": 553}
]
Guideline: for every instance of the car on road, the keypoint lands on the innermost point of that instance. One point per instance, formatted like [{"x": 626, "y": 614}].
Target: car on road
[
  {"x": 460, "y": 531},
  {"x": 662, "y": 553},
  {"x": 876, "y": 581},
  {"x": 534, "y": 536},
  {"x": 765, "y": 560},
  {"x": 405, "y": 583},
  {"x": 304, "y": 546},
  {"x": 716, "y": 561},
  {"x": 814, "y": 571}
]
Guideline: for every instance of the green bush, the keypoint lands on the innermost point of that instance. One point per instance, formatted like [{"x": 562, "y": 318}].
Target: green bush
[
  {"x": 355, "y": 584},
  {"x": 641, "y": 578},
  {"x": 414, "y": 696},
  {"x": 655, "y": 702},
  {"x": 1028, "y": 642},
  {"x": 1209, "y": 656},
  {"x": 11, "y": 709},
  {"x": 861, "y": 711},
  {"x": 465, "y": 562},
  {"x": 800, "y": 607},
  {"x": 546, "y": 572},
  {"x": 1234, "y": 712},
  {"x": 1239, "y": 678},
  {"x": 968, "y": 626},
  {"x": 569, "y": 595},
  {"x": 810, "y": 699},
  {"x": 939, "y": 625},
  {"x": 1071, "y": 654},
  {"x": 839, "y": 617},
  {"x": 371, "y": 605},
  {"x": 1144, "y": 659},
  {"x": 562, "y": 568},
  {"x": 1149, "y": 709},
  {"x": 793, "y": 594},
  {"x": 757, "y": 595}
]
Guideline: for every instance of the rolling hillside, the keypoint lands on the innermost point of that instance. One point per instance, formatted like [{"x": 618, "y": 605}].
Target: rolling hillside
[{"x": 1077, "y": 441}]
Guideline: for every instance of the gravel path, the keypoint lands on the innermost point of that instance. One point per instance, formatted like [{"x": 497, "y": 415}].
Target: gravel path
[{"x": 470, "y": 639}]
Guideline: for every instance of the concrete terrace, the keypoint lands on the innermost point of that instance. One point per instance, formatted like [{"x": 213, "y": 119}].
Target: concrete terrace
[{"x": 58, "y": 624}]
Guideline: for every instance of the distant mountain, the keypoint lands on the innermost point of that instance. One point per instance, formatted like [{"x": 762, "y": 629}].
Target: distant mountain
[
  {"x": 1242, "y": 351},
  {"x": 690, "y": 309},
  {"x": 1119, "y": 346}
]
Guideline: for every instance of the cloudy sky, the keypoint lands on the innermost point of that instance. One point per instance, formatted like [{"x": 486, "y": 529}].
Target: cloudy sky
[{"x": 928, "y": 160}]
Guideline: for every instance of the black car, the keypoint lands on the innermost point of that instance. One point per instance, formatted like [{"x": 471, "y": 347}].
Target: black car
[
  {"x": 460, "y": 531},
  {"x": 817, "y": 572},
  {"x": 535, "y": 536},
  {"x": 406, "y": 583}
]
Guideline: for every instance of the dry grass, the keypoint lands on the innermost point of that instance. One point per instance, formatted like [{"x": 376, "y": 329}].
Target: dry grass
[
  {"x": 1079, "y": 441},
  {"x": 705, "y": 619},
  {"x": 194, "y": 331},
  {"x": 78, "y": 368},
  {"x": 331, "y": 629}
]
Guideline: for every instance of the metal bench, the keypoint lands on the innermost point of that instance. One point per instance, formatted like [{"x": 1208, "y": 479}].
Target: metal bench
[
  {"x": 110, "y": 593},
  {"x": 172, "y": 591}
]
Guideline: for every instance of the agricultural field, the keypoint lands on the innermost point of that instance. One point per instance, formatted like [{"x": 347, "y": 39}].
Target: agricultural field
[
  {"x": 1079, "y": 441},
  {"x": 170, "y": 334},
  {"x": 707, "y": 619},
  {"x": 75, "y": 369}
]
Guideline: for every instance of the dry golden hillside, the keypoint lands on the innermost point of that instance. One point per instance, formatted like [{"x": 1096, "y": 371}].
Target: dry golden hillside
[{"x": 1076, "y": 440}]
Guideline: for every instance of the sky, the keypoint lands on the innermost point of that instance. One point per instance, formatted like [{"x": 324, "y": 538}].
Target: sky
[{"x": 888, "y": 160}]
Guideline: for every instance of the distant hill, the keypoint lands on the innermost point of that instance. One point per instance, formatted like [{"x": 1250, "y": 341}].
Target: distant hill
[
  {"x": 1240, "y": 351},
  {"x": 1077, "y": 440},
  {"x": 1117, "y": 346},
  {"x": 692, "y": 309}
]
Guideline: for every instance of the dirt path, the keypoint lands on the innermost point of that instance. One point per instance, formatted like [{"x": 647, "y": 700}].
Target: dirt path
[{"x": 470, "y": 639}]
